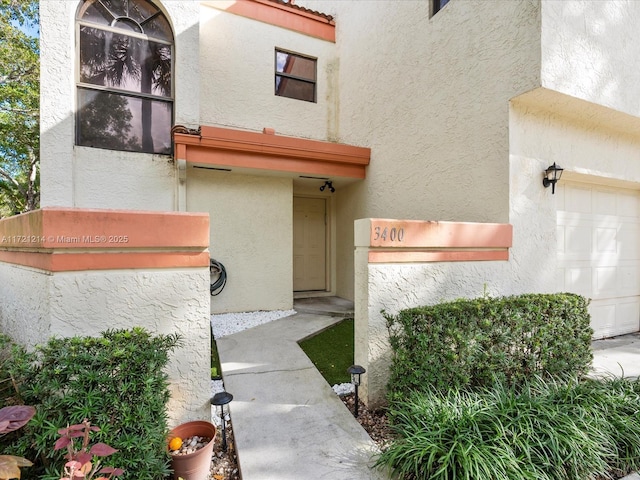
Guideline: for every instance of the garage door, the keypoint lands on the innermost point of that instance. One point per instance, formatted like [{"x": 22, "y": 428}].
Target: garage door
[{"x": 599, "y": 253}]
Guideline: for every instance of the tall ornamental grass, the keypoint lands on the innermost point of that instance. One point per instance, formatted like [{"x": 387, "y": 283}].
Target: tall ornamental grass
[{"x": 546, "y": 430}]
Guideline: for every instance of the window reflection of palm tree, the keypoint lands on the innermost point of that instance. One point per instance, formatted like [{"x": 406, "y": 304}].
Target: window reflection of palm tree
[{"x": 126, "y": 61}]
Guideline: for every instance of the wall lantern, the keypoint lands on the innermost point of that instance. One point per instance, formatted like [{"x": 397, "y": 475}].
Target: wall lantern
[
  {"x": 356, "y": 371},
  {"x": 220, "y": 399},
  {"x": 551, "y": 176}
]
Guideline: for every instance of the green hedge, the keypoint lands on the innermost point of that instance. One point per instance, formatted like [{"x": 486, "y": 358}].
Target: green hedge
[
  {"x": 474, "y": 343},
  {"x": 117, "y": 381}
]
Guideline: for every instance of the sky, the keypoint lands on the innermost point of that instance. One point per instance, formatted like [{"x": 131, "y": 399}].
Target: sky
[{"x": 31, "y": 30}]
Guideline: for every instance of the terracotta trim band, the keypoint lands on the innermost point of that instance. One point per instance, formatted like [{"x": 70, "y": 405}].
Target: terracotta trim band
[
  {"x": 404, "y": 241},
  {"x": 415, "y": 233},
  {"x": 280, "y": 15},
  {"x": 396, "y": 256},
  {"x": 62, "y": 228},
  {"x": 266, "y": 151},
  {"x": 68, "y": 239},
  {"x": 73, "y": 262}
]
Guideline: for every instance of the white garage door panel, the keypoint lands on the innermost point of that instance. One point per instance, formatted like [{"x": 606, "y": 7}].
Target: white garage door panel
[{"x": 599, "y": 255}]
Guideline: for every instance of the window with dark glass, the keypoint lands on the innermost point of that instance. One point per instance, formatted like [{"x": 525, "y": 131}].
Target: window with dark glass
[
  {"x": 125, "y": 72},
  {"x": 295, "y": 76},
  {"x": 439, "y": 5}
]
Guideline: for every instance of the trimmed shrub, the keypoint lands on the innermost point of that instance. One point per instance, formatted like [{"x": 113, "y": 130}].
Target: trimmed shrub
[
  {"x": 116, "y": 381},
  {"x": 475, "y": 343},
  {"x": 548, "y": 430}
]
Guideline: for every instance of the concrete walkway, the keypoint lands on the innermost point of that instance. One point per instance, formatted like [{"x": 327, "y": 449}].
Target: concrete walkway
[{"x": 288, "y": 423}]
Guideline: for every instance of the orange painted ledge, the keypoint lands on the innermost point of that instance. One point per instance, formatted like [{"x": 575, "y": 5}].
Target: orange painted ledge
[
  {"x": 428, "y": 234},
  {"x": 73, "y": 262},
  {"x": 285, "y": 16},
  {"x": 266, "y": 151},
  {"x": 61, "y": 228},
  {"x": 69, "y": 239},
  {"x": 399, "y": 256}
]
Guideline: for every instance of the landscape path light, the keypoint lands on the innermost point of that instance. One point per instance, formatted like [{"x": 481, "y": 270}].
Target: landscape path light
[
  {"x": 221, "y": 399},
  {"x": 356, "y": 372}
]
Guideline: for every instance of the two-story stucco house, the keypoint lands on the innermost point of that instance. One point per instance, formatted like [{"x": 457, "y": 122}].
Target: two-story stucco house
[{"x": 289, "y": 122}]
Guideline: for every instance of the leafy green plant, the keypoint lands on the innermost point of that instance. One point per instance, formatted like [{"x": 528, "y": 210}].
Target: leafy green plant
[
  {"x": 11, "y": 419},
  {"x": 116, "y": 381},
  {"x": 84, "y": 461},
  {"x": 478, "y": 342},
  {"x": 553, "y": 429}
]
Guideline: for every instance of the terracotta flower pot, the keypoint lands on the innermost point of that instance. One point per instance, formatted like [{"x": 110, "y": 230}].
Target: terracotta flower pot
[{"x": 196, "y": 465}]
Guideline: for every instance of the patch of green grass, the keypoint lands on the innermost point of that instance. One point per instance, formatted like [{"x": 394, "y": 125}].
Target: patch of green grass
[
  {"x": 331, "y": 351},
  {"x": 216, "y": 371}
]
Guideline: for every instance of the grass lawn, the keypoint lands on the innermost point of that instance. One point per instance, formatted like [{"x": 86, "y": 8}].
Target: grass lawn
[{"x": 331, "y": 351}]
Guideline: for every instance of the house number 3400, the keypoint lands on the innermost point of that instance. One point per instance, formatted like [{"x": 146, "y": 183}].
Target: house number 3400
[{"x": 393, "y": 234}]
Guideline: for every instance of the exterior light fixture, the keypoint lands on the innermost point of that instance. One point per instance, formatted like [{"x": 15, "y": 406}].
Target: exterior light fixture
[
  {"x": 328, "y": 184},
  {"x": 220, "y": 399},
  {"x": 356, "y": 372},
  {"x": 551, "y": 176}
]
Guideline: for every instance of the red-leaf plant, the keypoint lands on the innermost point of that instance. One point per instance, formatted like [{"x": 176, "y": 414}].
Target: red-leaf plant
[
  {"x": 11, "y": 419},
  {"x": 84, "y": 462}
]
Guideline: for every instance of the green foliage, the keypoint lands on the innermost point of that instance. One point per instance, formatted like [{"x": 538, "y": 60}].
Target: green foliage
[
  {"x": 116, "y": 381},
  {"x": 474, "y": 343},
  {"x": 19, "y": 107},
  {"x": 331, "y": 351},
  {"x": 547, "y": 430}
]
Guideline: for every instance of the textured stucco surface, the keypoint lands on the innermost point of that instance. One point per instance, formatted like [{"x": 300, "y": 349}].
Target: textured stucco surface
[
  {"x": 37, "y": 305},
  {"x": 237, "y": 65},
  {"x": 393, "y": 287},
  {"x": 590, "y": 50},
  {"x": 435, "y": 112},
  {"x": 90, "y": 177},
  {"x": 251, "y": 222},
  {"x": 162, "y": 301},
  {"x": 24, "y": 304}
]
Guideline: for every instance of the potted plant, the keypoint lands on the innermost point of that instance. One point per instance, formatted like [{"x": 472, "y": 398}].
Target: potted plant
[{"x": 188, "y": 461}]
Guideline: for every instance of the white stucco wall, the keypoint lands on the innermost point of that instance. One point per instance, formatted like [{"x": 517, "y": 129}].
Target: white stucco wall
[
  {"x": 37, "y": 305},
  {"x": 590, "y": 50},
  {"x": 251, "y": 235},
  {"x": 237, "y": 67},
  {"x": 25, "y": 304},
  {"x": 91, "y": 177},
  {"x": 161, "y": 301},
  {"x": 433, "y": 107},
  {"x": 394, "y": 287}
]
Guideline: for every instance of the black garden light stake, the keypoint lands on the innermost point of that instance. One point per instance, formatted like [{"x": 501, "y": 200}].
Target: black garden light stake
[
  {"x": 221, "y": 399},
  {"x": 356, "y": 371}
]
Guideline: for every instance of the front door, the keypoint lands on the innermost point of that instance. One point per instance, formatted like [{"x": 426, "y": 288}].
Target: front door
[{"x": 309, "y": 244}]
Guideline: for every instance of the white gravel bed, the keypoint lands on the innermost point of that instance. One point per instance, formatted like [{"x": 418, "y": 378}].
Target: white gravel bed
[{"x": 224, "y": 324}]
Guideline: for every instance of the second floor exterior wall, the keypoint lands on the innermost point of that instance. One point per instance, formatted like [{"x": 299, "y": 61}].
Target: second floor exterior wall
[{"x": 589, "y": 51}]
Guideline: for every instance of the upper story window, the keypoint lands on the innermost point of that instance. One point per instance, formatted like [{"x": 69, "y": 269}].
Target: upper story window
[
  {"x": 295, "y": 76},
  {"x": 124, "y": 76},
  {"x": 439, "y": 5}
]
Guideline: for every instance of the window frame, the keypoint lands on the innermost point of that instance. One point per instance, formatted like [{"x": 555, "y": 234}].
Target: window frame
[
  {"x": 285, "y": 75},
  {"x": 122, "y": 92},
  {"x": 437, "y": 5}
]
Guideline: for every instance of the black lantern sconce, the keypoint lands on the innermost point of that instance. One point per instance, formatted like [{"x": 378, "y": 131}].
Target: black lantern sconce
[
  {"x": 552, "y": 176},
  {"x": 328, "y": 184},
  {"x": 221, "y": 399},
  {"x": 356, "y": 372}
]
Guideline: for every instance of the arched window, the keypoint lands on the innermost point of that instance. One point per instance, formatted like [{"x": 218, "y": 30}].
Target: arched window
[{"x": 124, "y": 76}]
